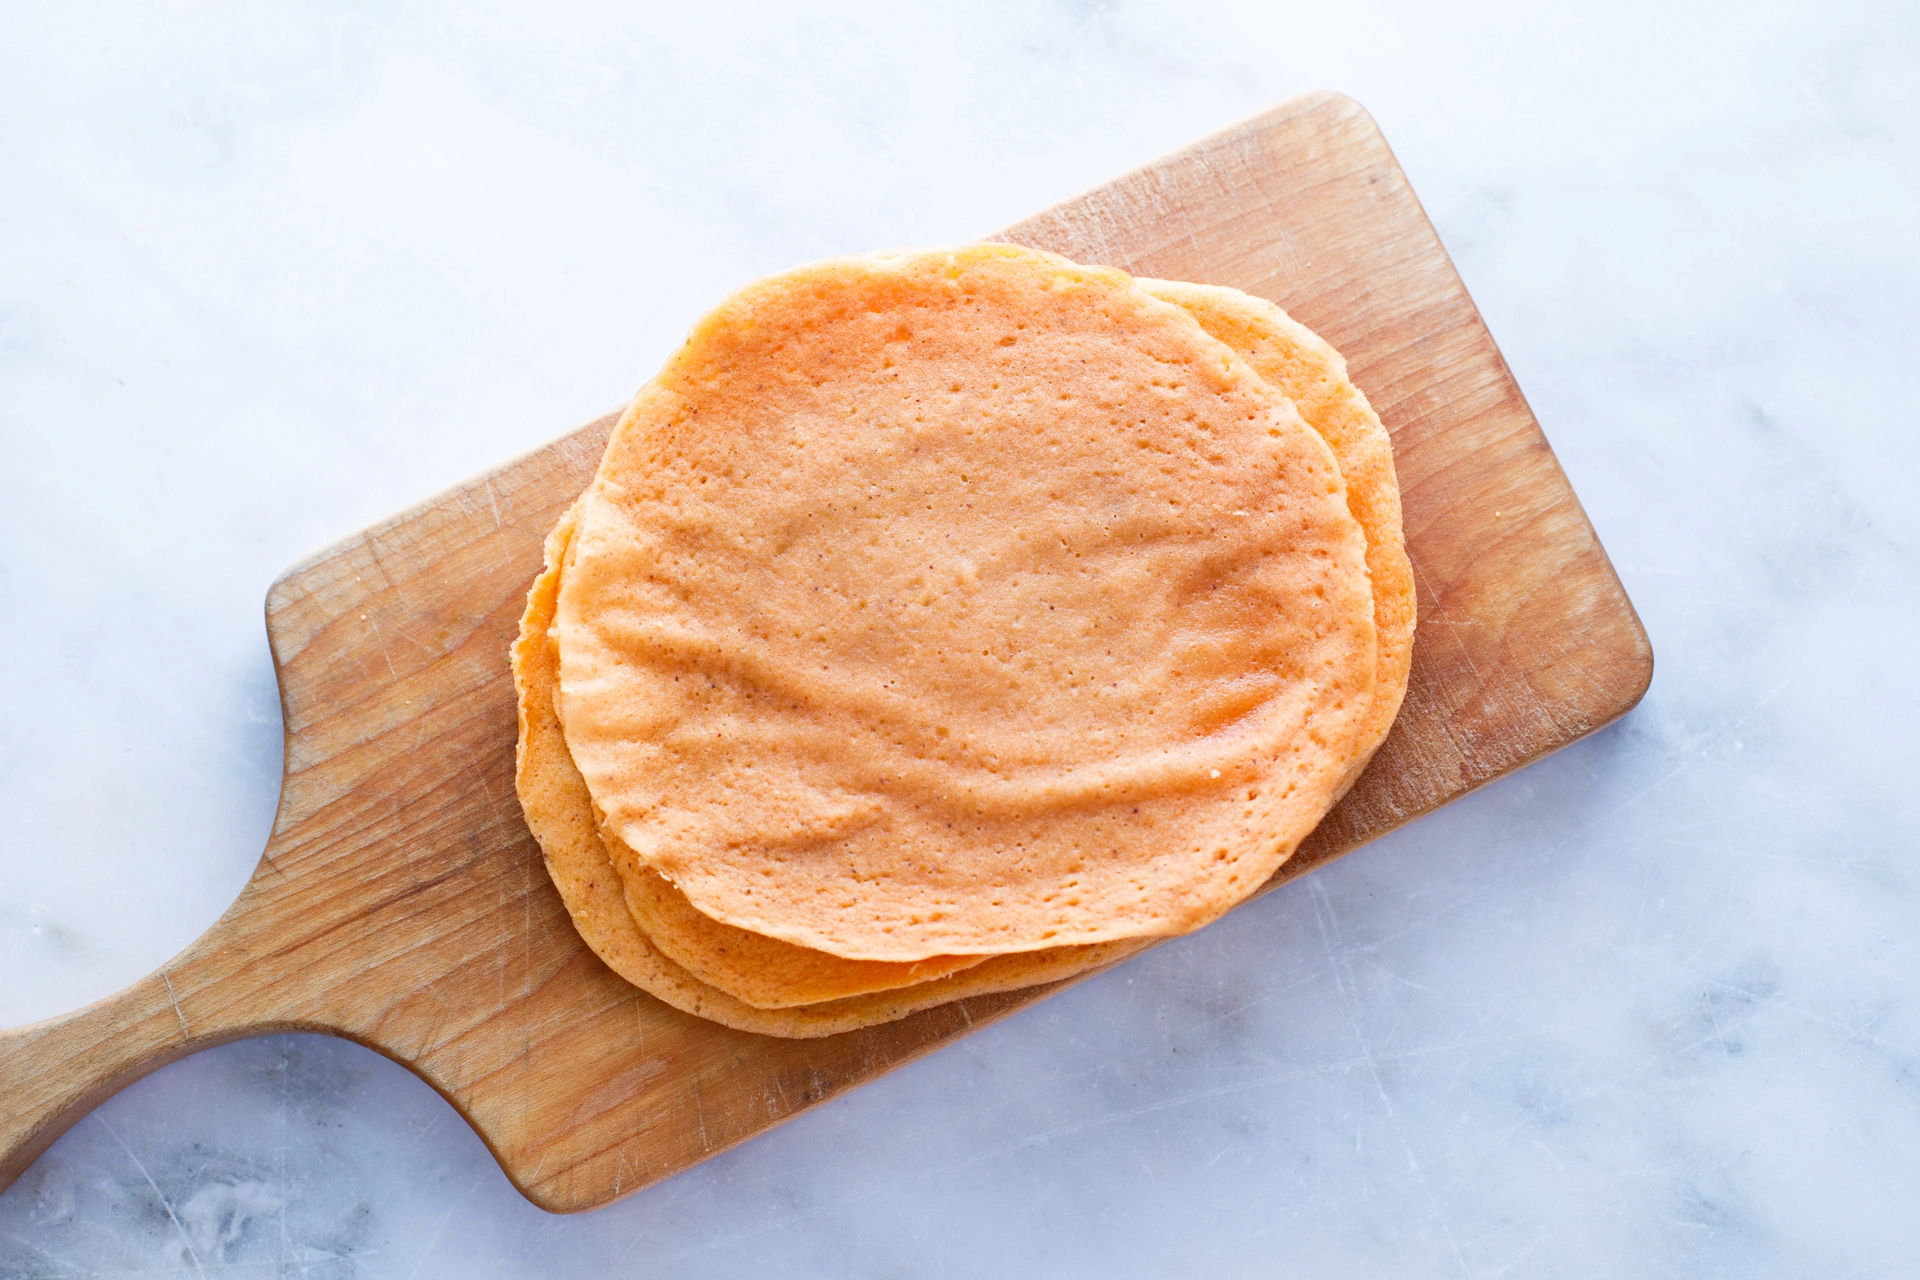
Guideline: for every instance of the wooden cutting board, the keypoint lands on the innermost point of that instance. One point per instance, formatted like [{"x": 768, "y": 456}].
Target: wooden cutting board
[{"x": 402, "y": 904}]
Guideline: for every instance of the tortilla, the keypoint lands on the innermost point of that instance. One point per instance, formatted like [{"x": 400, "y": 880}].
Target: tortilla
[
  {"x": 771, "y": 974},
  {"x": 959, "y": 603}
]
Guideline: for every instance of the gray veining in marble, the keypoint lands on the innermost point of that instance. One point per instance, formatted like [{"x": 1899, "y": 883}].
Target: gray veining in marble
[{"x": 268, "y": 272}]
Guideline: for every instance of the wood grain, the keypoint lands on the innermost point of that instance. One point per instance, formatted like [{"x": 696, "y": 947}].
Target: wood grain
[{"x": 401, "y": 903}]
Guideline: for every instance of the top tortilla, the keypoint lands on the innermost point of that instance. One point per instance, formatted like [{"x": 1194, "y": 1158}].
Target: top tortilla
[{"x": 963, "y": 602}]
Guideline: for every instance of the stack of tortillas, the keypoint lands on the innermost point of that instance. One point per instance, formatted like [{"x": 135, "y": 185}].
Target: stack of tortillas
[{"x": 955, "y": 621}]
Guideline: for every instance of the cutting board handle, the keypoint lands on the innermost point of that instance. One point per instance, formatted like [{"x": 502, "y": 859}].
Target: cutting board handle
[{"x": 52, "y": 1073}]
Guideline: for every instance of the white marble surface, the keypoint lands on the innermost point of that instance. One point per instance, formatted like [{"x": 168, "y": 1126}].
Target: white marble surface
[{"x": 268, "y": 272}]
